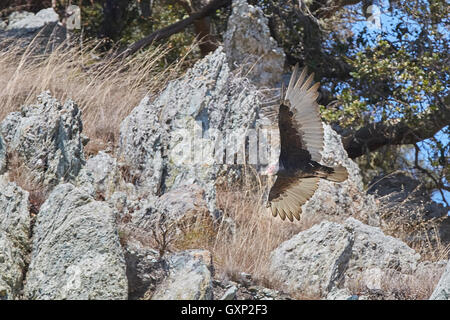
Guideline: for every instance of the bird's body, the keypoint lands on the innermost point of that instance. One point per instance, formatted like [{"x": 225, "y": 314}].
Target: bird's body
[{"x": 301, "y": 136}]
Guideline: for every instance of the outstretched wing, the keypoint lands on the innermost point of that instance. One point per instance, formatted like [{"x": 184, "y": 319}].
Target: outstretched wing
[
  {"x": 301, "y": 138},
  {"x": 298, "y": 117},
  {"x": 300, "y": 98},
  {"x": 287, "y": 196}
]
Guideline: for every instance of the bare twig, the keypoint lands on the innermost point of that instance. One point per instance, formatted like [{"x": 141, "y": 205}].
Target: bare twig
[{"x": 438, "y": 184}]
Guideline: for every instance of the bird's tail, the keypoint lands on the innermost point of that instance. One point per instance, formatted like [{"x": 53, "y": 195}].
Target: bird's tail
[{"x": 339, "y": 174}]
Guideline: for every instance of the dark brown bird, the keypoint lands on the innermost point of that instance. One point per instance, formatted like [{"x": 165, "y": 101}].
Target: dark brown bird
[{"x": 301, "y": 137}]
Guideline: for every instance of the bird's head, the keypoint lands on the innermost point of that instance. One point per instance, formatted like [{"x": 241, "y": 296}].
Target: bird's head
[{"x": 271, "y": 170}]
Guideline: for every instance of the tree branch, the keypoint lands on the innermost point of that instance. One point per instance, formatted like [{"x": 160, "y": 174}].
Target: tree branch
[
  {"x": 396, "y": 132},
  {"x": 176, "y": 27}
]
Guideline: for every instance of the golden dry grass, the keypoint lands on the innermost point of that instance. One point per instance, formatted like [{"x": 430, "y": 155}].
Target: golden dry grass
[
  {"x": 246, "y": 244},
  {"x": 420, "y": 234},
  {"x": 106, "y": 89},
  {"x": 247, "y": 233},
  {"x": 21, "y": 175},
  {"x": 398, "y": 286}
]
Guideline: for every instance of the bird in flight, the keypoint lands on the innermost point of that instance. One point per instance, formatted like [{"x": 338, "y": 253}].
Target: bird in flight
[{"x": 298, "y": 170}]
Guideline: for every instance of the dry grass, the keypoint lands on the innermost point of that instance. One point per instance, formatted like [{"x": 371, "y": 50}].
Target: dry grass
[
  {"x": 420, "y": 286},
  {"x": 420, "y": 234},
  {"x": 245, "y": 246},
  {"x": 247, "y": 233},
  {"x": 193, "y": 230},
  {"x": 22, "y": 176},
  {"x": 105, "y": 89},
  {"x": 397, "y": 286}
]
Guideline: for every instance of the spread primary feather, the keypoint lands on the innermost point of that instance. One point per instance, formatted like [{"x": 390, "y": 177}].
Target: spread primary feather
[{"x": 301, "y": 139}]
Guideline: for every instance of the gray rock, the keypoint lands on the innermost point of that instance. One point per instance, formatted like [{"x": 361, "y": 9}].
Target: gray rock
[
  {"x": 345, "y": 198},
  {"x": 314, "y": 260},
  {"x": 14, "y": 238},
  {"x": 374, "y": 254},
  {"x": 140, "y": 147},
  {"x": 397, "y": 185},
  {"x": 189, "y": 277},
  {"x": 46, "y": 137},
  {"x": 341, "y": 294},
  {"x": 101, "y": 175},
  {"x": 119, "y": 202},
  {"x": 17, "y": 16},
  {"x": 230, "y": 294},
  {"x": 230, "y": 290},
  {"x": 248, "y": 45},
  {"x": 442, "y": 290},
  {"x": 175, "y": 206},
  {"x": 48, "y": 15},
  {"x": 179, "y": 276},
  {"x": 329, "y": 256},
  {"x": 408, "y": 201},
  {"x": 402, "y": 191},
  {"x": 145, "y": 270},
  {"x": 30, "y": 33},
  {"x": 30, "y": 21},
  {"x": 169, "y": 142},
  {"x": 76, "y": 252}
]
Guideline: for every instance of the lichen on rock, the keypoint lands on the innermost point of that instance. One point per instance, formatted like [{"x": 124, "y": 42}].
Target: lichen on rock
[
  {"x": 15, "y": 225},
  {"x": 46, "y": 138},
  {"x": 249, "y": 45},
  {"x": 76, "y": 252}
]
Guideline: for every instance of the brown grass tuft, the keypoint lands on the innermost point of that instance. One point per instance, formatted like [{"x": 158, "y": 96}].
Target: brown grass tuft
[
  {"x": 21, "y": 175},
  {"x": 106, "y": 89},
  {"x": 419, "y": 233}
]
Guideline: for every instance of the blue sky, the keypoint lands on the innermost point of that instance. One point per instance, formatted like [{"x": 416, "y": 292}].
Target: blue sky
[{"x": 384, "y": 22}]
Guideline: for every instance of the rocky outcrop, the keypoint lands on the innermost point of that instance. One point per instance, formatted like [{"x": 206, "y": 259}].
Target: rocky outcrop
[
  {"x": 76, "y": 252},
  {"x": 375, "y": 254},
  {"x": 330, "y": 255},
  {"x": 179, "y": 206},
  {"x": 185, "y": 275},
  {"x": 101, "y": 175},
  {"x": 145, "y": 270},
  {"x": 405, "y": 193},
  {"x": 37, "y": 33},
  {"x": 249, "y": 45},
  {"x": 169, "y": 142},
  {"x": 408, "y": 202},
  {"x": 442, "y": 290},
  {"x": 14, "y": 238},
  {"x": 46, "y": 139},
  {"x": 172, "y": 152},
  {"x": 29, "y": 22},
  {"x": 314, "y": 260},
  {"x": 189, "y": 277}
]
